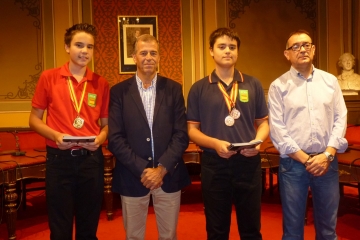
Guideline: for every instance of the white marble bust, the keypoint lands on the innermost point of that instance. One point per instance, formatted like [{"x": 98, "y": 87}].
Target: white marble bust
[{"x": 348, "y": 80}]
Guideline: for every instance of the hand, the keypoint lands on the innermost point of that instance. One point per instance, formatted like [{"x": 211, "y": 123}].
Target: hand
[
  {"x": 152, "y": 178},
  {"x": 91, "y": 146},
  {"x": 63, "y": 145},
  {"x": 318, "y": 165},
  {"x": 222, "y": 149},
  {"x": 250, "y": 152}
]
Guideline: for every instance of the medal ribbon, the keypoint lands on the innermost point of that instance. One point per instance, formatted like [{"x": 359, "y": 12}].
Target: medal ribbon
[
  {"x": 76, "y": 105},
  {"x": 230, "y": 100}
]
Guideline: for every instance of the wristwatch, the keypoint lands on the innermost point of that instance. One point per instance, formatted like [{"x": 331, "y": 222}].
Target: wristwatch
[
  {"x": 162, "y": 166},
  {"x": 329, "y": 156}
]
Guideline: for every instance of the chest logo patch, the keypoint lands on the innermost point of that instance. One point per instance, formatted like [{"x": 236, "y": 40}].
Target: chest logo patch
[
  {"x": 244, "y": 95},
  {"x": 92, "y": 99}
]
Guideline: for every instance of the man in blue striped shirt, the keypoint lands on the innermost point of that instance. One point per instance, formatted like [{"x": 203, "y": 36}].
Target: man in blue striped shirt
[{"x": 148, "y": 135}]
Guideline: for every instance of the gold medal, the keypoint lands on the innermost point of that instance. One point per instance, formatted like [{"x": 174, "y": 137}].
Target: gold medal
[
  {"x": 78, "y": 122},
  {"x": 235, "y": 113},
  {"x": 229, "y": 121}
]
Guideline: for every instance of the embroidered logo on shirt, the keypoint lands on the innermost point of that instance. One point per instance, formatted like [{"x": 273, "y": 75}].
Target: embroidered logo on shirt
[
  {"x": 243, "y": 95},
  {"x": 92, "y": 99}
]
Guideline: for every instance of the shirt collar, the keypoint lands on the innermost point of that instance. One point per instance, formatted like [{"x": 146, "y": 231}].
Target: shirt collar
[
  {"x": 64, "y": 71},
  {"x": 140, "y": 83},
  {"x": 213, "y": 78},
  {"x": 298, "y": 74}
]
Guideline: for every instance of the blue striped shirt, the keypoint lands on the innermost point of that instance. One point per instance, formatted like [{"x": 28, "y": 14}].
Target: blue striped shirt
[{"x": 148, "y": 96}]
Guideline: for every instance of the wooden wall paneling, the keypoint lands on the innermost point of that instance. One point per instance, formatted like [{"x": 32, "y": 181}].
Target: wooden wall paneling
[
  {"x": 52, "y": 24},
  {"x": 264, "y": 27},
  {"x": 323, "y": 38},
  {"x": 335, "y": 34},
  {"x": 21, "y": 58},
  {"x": 62, "y": 19},
  {"x": 210, "y": 13},
  {"x": 353, "y": 107},
  {"x": 192, "y": 43},
  {"x": 356, "y": 33},
  {"x": 187, "y": 45}
]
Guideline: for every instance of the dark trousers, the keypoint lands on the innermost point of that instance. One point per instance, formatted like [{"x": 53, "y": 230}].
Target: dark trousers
[
  {"x": 224, "y": 182},
  {"x": 74, "y": 189}
]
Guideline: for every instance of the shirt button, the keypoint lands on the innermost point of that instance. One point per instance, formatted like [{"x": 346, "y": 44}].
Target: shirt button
[
  {"x": 149, "y": 158},
  {"x": 148, "y": 139}
]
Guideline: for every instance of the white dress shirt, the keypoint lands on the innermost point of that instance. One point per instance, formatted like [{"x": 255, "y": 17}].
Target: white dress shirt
[{"x": 307, "y": 114}]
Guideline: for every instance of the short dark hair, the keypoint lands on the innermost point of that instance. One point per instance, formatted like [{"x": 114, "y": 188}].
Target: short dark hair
[
  {"x": 297, "y": 32},
  {"x": 80, "y": 27},
  {"x": 145, "y": 38},
  {"x": 223, "y": 32}
]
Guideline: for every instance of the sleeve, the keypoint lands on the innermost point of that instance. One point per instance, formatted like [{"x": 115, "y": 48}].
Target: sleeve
[
  {"x": 337, "y": 139},
  {"x": 261, "y": 108},
  {"x": 278, "y": 132},
  {"x": 40, "y": 99},
  {"x": 193, "y": 104}
]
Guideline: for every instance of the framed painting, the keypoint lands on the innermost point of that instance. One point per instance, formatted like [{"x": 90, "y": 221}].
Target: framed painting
[{"x": 130, "y": 27}]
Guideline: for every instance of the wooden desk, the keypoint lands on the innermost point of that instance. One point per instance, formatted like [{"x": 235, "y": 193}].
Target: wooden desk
[
  {"x": 33, "y": 165},
  {"x": 192, "y": 159},
  {"x": 270, "y": 160},
  {"x": 8, "y": 179},
  {"x": 15, "y": 168},
  {"x": 109, "y": 164},
  {"x": 349, "y": 169}
]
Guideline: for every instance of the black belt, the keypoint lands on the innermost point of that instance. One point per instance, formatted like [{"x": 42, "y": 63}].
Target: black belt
[{"x": 75, "y": 152}]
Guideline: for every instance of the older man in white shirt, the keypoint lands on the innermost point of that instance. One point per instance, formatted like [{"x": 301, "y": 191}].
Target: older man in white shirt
[{"x": 307, "y": 126}]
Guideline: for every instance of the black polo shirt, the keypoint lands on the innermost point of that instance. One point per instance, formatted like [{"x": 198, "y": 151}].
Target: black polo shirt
[{"x": 206, "y": 105}]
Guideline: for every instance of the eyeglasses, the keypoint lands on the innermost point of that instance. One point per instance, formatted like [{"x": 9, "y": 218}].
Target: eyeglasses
[{"x": 296, "y": 47}]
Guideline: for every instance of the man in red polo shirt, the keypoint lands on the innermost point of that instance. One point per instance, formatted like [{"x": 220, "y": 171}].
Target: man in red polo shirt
[{"x": 76, "y": 100}]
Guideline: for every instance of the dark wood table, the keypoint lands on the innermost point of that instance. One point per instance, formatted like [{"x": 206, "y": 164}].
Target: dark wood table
[
  {"x": 32, "y": 165},
  {"x": 15, "y": 168},
  {"x": 109, "y": 164},
  {"x": 349, "y": 169},
  {"x": 269, "y": 162},
  {"x": 8, "y": 179}
]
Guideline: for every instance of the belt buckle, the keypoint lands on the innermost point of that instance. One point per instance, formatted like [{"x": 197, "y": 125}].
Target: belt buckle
[{"x": 72, "y": 154}]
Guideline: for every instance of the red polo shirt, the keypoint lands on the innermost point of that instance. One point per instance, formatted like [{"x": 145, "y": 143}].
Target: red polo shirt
[{"x": 52, "y": 94}]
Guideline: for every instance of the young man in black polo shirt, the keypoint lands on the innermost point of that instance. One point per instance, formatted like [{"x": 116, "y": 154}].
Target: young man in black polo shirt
[{"x": 228, "y": 107}]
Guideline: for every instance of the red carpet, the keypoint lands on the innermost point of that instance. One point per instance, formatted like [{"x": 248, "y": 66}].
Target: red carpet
[{"x": 32, "y": 222}]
